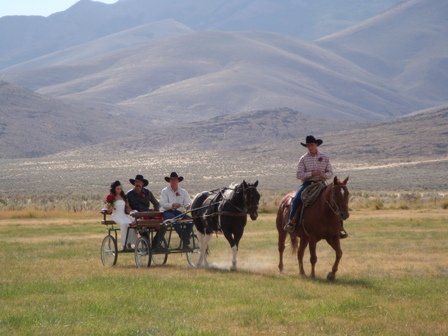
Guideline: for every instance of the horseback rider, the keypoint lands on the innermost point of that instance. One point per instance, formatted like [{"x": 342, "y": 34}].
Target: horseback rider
[{"x": 314, "y": 166}]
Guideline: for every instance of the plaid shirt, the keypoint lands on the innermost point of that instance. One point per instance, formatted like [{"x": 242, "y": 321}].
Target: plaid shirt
[{"x": 308, "y": 163}]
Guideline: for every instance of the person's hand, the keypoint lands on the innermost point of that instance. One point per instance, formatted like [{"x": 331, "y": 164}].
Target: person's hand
[
  {"x": 316, "y": 172},
  {"x": 176, "y": 206}
]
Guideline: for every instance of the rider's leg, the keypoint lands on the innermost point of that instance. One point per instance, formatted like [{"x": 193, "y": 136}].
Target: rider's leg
[{"x": 297, "y": 201}]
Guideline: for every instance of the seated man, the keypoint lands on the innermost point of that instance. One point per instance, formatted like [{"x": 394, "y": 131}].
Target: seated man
[
  {"x": 175, "y": 201},
  {"x": 140, "y": 198}
]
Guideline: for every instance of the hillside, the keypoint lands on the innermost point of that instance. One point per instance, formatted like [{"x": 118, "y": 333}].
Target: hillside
[
  {"x": 25, "y": 38},
  {"x": 123, "y": 79},
  {"x": 206, "y": 74},
  {"x": 405, "y": 57},
  {"x": 408, "y": 154},
  {"x": 32, "y": 125}
]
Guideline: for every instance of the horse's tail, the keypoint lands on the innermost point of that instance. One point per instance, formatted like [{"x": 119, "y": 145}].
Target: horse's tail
[{"x": 294, "y": 243}]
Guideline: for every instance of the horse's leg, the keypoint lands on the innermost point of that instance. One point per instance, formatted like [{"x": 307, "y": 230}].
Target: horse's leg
[
  {"x": 302, "y": 246},
  {"x": 203, "y": 243},
  {"x": 233, "y": 245},
  {"x": 280, "y": 223},
  {"x": 313, "y": 257},
  {"x": 237, "y": 235},
  {"x": 234, "y": 254},
  {"x": 281, "y": 248},
  {"x": 335, "y": 243}
]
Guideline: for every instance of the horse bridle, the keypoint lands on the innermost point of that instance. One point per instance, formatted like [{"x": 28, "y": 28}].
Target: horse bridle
[
  {"x": 336, "y": 212},
  {"x": 247, "y": 207}
]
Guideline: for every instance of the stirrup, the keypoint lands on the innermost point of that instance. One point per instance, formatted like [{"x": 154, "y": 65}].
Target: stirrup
[{"x": 289, "y": 227}]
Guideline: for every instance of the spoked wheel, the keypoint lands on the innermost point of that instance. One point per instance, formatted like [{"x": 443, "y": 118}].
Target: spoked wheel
[
  {"x": 142, "y": 252},
  {"x": 109, "y": 251},
  {"x": 194, "y": 254},
  {"x": 160, "y": 254}
]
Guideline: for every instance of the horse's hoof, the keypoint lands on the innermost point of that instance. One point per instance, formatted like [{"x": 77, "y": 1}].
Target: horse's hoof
[
  {"x": 330, "y": 276},
  {"x": 281, "y": 272}
]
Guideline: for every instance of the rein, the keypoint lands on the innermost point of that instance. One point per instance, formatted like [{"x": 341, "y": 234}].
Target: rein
[
  {"x": 242, "y": 212},
  {"x": 336, "y": 212}
]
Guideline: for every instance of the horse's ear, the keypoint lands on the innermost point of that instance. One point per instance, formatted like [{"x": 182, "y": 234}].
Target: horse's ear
[
  {"x": 346, "y": 180},
  {"x": 256, "y": 184},
  {"x": 245, "y": 183},
  {"x": 335, "y": 180}
]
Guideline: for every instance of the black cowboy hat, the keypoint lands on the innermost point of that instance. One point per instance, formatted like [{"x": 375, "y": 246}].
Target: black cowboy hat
[
  {"x": 174, "y": 175},
  {"x": 115, "y": 184},
  {"x": 311, "y": 139},
  {"x": 140, "y": 178}
]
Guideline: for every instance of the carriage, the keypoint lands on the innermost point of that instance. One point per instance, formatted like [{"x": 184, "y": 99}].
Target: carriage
[
  {"x": 221, "y": 210},
  {"x": 149, "y": 250}
]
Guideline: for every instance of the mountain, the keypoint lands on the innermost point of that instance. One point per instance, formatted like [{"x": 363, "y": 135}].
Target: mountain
[
  {"x": 32, "y": 125},
  {"x": 204, "y": 74},
  {"x": 406, "y": 46},
  {"x": 124, "y": 76},
  {"x": 26, "y": 38},
  {"x": 230, "y": 132},
  {"x": 139, "y": 35}
]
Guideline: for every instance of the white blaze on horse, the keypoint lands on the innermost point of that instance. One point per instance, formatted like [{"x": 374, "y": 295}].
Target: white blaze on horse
[{"x": 224, "y": 210}]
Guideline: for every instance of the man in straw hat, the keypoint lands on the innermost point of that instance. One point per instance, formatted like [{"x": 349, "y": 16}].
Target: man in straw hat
[{"x": 314, "y": 166}]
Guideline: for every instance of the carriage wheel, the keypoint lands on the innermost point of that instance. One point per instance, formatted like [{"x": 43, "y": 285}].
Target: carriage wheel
[
  {"x": 160, "y": 254},
  {"x": 142, "y": 252},
  {"x": 109, "y": 251},
  {"x": 194, "y": 254}
]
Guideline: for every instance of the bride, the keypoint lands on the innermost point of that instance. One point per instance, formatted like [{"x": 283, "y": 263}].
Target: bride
[{"x": 117, "y": 203}]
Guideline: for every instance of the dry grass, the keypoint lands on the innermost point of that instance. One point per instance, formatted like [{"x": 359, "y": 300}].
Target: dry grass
[{"x": 392, "y": 280}]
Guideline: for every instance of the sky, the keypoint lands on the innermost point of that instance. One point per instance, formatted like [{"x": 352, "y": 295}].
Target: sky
[{"x": 38, "y": 7}]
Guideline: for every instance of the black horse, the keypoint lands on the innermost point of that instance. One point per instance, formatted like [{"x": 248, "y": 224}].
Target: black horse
[{"x": 224, "y": 210}]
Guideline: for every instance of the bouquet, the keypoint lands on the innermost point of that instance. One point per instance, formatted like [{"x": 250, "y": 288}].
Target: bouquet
[{"x": 110, "y": 200}]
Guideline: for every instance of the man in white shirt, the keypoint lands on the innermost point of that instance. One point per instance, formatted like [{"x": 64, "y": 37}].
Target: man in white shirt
[{"x": 175, "y": 201}]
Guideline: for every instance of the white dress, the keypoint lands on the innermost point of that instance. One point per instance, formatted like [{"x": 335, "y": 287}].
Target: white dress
[{"x": 119, "y": 216}]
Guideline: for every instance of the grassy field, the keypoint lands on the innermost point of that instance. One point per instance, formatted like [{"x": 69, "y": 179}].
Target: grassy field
[{"x": 392, "y": 280}]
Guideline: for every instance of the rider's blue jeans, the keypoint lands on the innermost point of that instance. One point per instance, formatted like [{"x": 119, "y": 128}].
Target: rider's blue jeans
[{"x": 297, "y": 201}]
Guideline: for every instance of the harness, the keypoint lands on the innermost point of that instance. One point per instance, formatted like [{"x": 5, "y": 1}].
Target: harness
[{"x": 223, "y": 197}]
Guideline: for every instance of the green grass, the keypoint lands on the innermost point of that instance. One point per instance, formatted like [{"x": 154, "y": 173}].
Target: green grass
[{"x": 392, "y": 280}]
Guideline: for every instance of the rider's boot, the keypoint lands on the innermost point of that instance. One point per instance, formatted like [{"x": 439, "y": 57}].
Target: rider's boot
[{"x": 289, "y": 227}]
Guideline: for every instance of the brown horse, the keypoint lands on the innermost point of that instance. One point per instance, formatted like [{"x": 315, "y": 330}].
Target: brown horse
[{"x": 321, "y": 220}]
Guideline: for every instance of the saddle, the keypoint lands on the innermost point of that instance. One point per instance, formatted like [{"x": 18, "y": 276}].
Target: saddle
[{"x": 309, "y": 196}]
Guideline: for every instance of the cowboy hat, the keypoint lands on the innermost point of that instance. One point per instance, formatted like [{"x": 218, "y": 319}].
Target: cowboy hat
[
  {"x": 140, "y": 178},
  {"x": 174, "y": 175},
  {"x": 115, "y": 184},
  {"x": 311, "y": 139}
]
